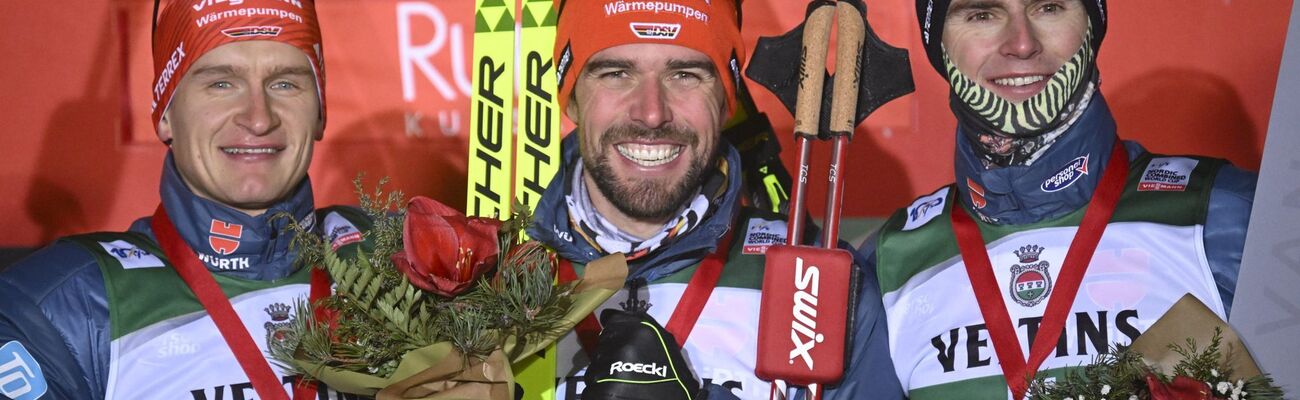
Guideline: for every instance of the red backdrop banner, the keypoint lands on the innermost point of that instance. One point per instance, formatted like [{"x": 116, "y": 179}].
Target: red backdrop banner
[{"x": 81, "y": 155}]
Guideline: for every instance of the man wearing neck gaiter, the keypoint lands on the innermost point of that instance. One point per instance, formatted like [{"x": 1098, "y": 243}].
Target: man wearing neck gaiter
[
  {"x": 649, "y": 85},
  {"x": 1058, "y": 239},
  {"x": 186, "y": 302}
]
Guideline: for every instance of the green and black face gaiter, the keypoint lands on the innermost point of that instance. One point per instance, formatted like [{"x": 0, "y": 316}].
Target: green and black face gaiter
[{"x": 1006, "y": 133}]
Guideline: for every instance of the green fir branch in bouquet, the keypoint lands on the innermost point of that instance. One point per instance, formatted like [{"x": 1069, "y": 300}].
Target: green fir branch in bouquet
[
  {"x": 385, "y": 211},
  {"x": 438, "y": 293},
  {"x": 1122, "y": 373},
  {"x": 1117, "y": 374},
  {"x": 363, "y": 297}
]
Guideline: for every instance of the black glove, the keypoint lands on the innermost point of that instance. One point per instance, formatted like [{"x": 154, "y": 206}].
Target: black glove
[{"x": 637, "y": 359}]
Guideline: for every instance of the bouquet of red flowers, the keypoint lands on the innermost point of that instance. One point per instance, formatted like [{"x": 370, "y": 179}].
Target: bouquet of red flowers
[{"x": 438, "y": 307}]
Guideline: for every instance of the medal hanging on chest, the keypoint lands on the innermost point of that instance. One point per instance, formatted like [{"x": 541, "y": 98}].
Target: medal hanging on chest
[{"x": 1015, "y": 368}]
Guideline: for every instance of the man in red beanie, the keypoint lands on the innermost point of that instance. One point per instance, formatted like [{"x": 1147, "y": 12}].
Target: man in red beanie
[
  {"x": 649, "y": 85},
  {"x": 187, "y": 302}
]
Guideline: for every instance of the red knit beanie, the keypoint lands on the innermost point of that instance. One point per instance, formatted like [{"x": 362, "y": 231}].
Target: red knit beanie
[
  {"x": 188, "y": 29},
  {"x": 708, "y": 26}
]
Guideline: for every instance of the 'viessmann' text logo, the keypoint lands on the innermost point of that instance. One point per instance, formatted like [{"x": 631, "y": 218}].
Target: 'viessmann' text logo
[
  {"x": 646, "y": 30},
  {"x": 252, "y": 31},
  {"x": 803, "y": 327},
  {"x": 620, "y": 7}
]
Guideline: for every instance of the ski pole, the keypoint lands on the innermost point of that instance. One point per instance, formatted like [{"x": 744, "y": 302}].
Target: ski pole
[{"x": 807, "y": 114}]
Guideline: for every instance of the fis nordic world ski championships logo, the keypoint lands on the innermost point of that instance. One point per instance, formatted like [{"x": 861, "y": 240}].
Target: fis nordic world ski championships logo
[
  {"x": 647, "y": 30},
  {"x": 1070, "y": 173},
  {"x": 1030, "y": 280}
]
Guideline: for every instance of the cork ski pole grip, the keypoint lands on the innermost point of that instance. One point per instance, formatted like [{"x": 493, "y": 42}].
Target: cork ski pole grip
[
  {"x": 808, "y": 104},
  {"x": 848, "y": 63},
  {"x": 812, "y": 71}
]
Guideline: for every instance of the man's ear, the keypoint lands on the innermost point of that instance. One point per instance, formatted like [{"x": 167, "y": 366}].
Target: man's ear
[
  {"x": 320, "y": 129},
  {"x": 571, "y": 110},
  {"x": 165, "y": 130}
]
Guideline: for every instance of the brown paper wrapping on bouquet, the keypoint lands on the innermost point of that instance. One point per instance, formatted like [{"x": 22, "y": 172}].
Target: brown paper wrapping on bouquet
[
  {"x": 439, "y": 372},
  {"x": 1191, "y": 319},
  {"x": 448, "y": 379},
  {"x": 426, "y": 373}
]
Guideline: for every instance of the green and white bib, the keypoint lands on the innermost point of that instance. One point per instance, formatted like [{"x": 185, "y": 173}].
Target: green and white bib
[
  {"x": 722, "y": 347},
  {"x": 1150, "y": 255},
  {"x": 163, "y": 343}
]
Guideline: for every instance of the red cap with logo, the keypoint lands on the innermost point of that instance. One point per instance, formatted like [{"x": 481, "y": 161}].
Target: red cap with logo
[
  {"x": 188, "y": 29},
  {"x": 586, "y": 27}
]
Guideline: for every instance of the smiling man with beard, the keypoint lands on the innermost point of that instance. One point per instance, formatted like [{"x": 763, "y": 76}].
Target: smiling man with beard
[
  {"x": 650, "y": 85},
  {"x": 650, "y": 118}
]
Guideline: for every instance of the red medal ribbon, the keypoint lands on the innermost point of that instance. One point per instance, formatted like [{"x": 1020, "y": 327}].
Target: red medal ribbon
[
  {"x": 214, "y": 301},
  {"x": 688, "y": 310},
  {"x": 987, "y": 293},
  {"x": 698, "y": 290}
]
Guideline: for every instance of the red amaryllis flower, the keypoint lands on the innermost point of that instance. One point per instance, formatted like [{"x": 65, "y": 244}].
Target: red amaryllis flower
[
  {"x": 444, "y": 251},
  {"x": 1181, "y": 388}
]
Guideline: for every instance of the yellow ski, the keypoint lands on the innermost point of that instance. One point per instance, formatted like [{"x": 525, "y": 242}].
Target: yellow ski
[
  {"x": 538, "y": 148},
  {"x": 491, "y": 107},
  {"x": 537, "y": 153}
]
